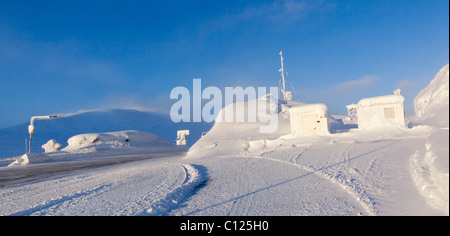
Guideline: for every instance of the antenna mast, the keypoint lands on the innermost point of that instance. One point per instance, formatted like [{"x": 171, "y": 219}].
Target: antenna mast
[{"x": 283, "y": 89}]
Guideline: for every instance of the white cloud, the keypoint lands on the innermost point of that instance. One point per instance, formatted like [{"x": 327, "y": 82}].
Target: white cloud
[
  {"x": 339, "y": 95},
  {"x": 357, "y": 85},
  {"x": 275, "y": 12},
  {"x": 407, "y": 85}
]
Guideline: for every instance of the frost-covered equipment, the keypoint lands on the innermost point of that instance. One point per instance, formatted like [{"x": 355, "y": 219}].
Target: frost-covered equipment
[
  {"x": 31, "y": 126},
  {"x": 381, "y": 111},
  {"x": 310, "y": 119},
  {"x": 352, "y": 111},
  {"x": 181, "y": 137},
  {"x": 287, "y": 95}
]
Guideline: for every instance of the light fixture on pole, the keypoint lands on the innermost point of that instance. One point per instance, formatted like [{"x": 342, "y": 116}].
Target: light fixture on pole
[{"x": 31, "y": 126}]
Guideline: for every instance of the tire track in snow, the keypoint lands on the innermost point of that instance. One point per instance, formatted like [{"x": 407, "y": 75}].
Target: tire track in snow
[
  {"x": 163, "y": 206},
  {"x": 169, "y": 200},
  {"x": 41, "y": 209},
  {"x": 365, "y": 201}
]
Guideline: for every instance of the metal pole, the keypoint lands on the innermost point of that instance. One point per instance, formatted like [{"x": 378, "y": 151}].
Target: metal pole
[
  {"x": 31, "y": 126},
  {"x": 29, "y": 149},
  {"x": 283, "y": 90}
]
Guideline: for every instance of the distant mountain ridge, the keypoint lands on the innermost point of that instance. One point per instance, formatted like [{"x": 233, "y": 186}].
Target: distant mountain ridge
[{"x": 110, "y": 120}]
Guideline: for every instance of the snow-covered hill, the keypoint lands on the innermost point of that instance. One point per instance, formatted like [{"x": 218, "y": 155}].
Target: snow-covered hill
[
  {"x": 101, "y": 121},
  {"x": 432, "y": 103}
]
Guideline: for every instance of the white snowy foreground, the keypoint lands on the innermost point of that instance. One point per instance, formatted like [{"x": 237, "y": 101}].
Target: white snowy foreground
[
  {"x": 385, "y": 169},
  {"x": 343, "y": 174}
]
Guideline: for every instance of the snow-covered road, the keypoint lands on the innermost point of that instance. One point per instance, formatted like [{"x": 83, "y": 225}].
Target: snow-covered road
[
  {"x": 331, "y": 175},
  {"x": 148, "y": 187},
  {"x": 172, "y": 186},
  {"x": 38, "y": 172},
  {"x": 258, "y": 186}
]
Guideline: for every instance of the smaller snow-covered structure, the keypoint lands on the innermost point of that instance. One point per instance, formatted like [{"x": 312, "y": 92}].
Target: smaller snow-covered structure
[
  {"x": 352, "y": 110},
  {"x": 309, "y": 119},
  {"x": 381, "y": 110},
  {"x": 51, "y": 146},
  {"x": 181, "y": 137}
]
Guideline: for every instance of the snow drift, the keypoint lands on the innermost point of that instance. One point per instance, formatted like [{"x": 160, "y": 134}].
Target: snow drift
[
  {"x": 118, "y": 141},
  {"x": 84, "y": 146},
  {"x": 430, "y": 168},
  {"x": 233, "y": 137},
  {"x": 430, "y": 171},
  {"x": 30, "y": 158},
  {"x": 432, "y": 103}
]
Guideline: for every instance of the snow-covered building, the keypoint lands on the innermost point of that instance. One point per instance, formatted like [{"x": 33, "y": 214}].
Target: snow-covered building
[
  {"x": 352, "y": 110},
  {"x": 310, "y": 119},
  {"x": 381, "y": 110},
  {"x": 181, "y": 137}
]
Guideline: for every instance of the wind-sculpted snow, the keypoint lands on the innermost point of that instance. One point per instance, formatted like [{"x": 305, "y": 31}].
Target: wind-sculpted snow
[
  {"x": 429, "y": 171},
  {"x": 432, "y": 103}
]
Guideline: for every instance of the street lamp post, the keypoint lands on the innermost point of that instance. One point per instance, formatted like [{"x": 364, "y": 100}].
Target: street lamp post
[{"x": 31, "y": 126}]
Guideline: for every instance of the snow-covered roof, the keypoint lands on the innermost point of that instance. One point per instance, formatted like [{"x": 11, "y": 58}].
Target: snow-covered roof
[
  {"x": 319, "y": 109},
  {"x": 381, "y": 100}
]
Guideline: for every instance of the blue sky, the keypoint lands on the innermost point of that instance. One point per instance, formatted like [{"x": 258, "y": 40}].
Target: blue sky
[{"x": 65, "y": 56}]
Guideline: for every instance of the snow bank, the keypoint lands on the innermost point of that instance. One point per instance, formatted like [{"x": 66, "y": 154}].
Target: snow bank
[
  {"x": 380, "y": 124},
  {"x": 30, "y": 158},
  {"x": 430, "y": 171},
  {"x": 432, "y": 103},
  {"x": 117, "y": 141},
  {"x": 229, "y": 138}
]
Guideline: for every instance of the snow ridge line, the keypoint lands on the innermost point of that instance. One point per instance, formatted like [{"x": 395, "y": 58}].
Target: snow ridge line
[
  {"x": 365, "y": 201},
  {"x": 163, "y": 206}
]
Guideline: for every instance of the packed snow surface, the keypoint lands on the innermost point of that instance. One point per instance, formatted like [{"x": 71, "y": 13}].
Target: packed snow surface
[
  {"x": 356, "y": 173},
  {"x": 236, "y": 170}
]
